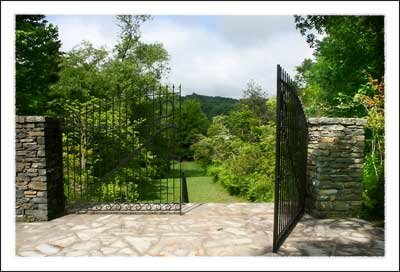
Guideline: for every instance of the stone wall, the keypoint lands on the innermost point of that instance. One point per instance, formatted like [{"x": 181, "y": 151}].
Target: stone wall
[
  {"x": 334, "y": 170},
  {"x": 39, "y": 181}
]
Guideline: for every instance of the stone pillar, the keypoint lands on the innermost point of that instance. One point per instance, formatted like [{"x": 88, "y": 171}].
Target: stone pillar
[
  {"x": 39, "y": 180},
  {"x": 335, "y": 166}
]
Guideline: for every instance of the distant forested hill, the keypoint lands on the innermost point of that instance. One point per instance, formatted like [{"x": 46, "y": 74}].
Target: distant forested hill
[{"x": 213, "y": 105}]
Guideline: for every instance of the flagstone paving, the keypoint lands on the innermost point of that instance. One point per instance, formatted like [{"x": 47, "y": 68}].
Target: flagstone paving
[{"x": 238, "y": 229}]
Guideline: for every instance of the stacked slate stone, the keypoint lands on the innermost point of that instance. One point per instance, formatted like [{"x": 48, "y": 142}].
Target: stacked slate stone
[
  {"x": 335, "y": 166},
  {"x": 39, "y": 184}
]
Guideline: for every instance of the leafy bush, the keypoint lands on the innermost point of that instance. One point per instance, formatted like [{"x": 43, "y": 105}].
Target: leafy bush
[
  {"x": 371, "y": 96},
  {"x": 373, "y": 183},
  {"x": 249, "y": 171},
  {"x": 239, "y": 153}
]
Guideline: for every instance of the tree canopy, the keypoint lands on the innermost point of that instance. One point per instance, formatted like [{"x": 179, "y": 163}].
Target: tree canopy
[
  {"x": 255, "y": 99},
  {"x": 214, "y": 105},
  {"x": 193, "y": 124},
  {"x": 351, "y": 49},
  {"x": 131, "y": 67},
  {"x": 37, "y": 59}
]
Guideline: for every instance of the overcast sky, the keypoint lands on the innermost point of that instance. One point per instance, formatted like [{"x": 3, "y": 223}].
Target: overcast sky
[{"x": 211, "y": 55}]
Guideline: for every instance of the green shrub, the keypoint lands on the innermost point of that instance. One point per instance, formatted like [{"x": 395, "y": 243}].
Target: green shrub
[
  {"x": 248, "y": 169},
  {"x": 239, "y": 151},
  {"x": 373, "y": 183},
  {"x": 371, "y": 96}
]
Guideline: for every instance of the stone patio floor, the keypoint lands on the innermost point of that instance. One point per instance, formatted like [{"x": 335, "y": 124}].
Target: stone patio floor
[{"x": 238, "y": 229}]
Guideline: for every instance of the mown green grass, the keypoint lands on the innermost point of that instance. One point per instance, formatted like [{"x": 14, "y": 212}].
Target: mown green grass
[{"x": 202, "y": 188}]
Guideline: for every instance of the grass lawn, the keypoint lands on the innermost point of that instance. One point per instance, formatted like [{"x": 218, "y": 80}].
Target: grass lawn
[{"x": 202, "y": 188}]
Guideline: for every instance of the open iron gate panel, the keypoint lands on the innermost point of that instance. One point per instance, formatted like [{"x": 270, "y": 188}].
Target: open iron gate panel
[
  {"x": 122, "y": 154},
  {"x": 291, "y": 159}
]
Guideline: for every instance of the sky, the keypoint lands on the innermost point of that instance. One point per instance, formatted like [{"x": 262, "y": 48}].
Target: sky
[{"x": 210, "y": 55}]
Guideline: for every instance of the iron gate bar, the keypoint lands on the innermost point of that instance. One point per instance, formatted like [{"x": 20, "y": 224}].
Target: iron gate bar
[
  {"x": 89, "y": 173},
  {"x": 291, "y": 159}
]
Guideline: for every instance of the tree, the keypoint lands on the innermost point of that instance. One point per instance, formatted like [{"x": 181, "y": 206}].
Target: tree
[
  {"x": 352, "y": 48},
  {"x": 242, "y": 123},
  {"x": 37, "y": 55},
  {"x": 255, "y": 98},
  {"x": 214, "y": 105},
  {"x": 193, "y": 122},
  {"x": 138, "y": 64},
  {"x": 302, "y": 73},
  {"x": 132, "y": 67},
  {"x": 82, "y": 76}
]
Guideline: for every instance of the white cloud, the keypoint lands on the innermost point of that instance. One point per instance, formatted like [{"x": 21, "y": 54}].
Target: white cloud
[
  {"x": 221, "y": 62},
  {"x": 73, "y": 29},
  {"x": 248, "y": 31},
  {"x": 214, "y": 60}
]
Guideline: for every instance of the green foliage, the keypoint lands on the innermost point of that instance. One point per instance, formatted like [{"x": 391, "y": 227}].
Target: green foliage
[
  {"x": 374, "y": 186},
  {"x": 239, "y": 152},
  {"x": 81, "y": 75},
  {"x": 371, "y": 96},
  {"x": 203, "y": 151},
  {"x": 214, "y": 105},
  {"x": 214, "y": 147},
  {"x": 115, "y": 158},
  {"x": 244, "y": 123},
  {"x": 37, "y": 59},
  {"x": 248, "y": 170},
  {"x": 352, "y": 48},
  {"x": 255, "y": 98},
  {"x": 132, "y": 67},
  {"x": 102, "y": 153},
  {"x": 193, "y": 124}
]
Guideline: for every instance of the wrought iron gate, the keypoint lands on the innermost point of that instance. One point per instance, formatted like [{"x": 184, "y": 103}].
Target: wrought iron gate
[
  {"x": 291, "y": 159},
  {"x": 123, "y": 154}
]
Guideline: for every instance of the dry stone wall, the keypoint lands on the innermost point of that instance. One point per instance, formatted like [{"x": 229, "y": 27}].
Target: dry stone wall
[
  {"x": 39, "y": 181},
  {"x": 335, "y": 166}
]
